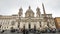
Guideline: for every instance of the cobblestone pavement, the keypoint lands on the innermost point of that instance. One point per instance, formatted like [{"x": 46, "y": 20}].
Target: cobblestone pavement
[
  {"x": 8, "y": 32},
  {"x": 29, "y": 33}
]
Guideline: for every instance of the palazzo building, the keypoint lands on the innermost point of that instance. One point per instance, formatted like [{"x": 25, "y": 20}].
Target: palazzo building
[
  {"x": 57, "y": 22},
  {"x": 40, "y": 21}
]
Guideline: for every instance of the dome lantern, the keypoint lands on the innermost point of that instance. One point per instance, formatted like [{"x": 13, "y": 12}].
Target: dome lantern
[{"x": 29, "y": 13}]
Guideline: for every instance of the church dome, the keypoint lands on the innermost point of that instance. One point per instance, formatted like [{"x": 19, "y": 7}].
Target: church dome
[{"x": 29, "y": 13}]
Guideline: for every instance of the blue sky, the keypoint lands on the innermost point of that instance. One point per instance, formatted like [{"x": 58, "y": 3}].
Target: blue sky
[{"x": 9, "y": 7}]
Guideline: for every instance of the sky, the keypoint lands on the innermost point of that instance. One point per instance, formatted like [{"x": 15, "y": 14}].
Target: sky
[{"x": 9, "y": 7}]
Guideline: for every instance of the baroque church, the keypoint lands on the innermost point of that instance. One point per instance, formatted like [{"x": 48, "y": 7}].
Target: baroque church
[{"x": 40, "y": 22}]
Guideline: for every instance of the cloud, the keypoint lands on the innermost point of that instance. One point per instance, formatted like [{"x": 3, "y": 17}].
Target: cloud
[{"x": 12, "y": 6}]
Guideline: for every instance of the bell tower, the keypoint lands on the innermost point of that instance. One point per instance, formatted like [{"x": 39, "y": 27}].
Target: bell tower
[
  {"x": 38, "y": 13},
  {"x": 20, "y": 12}
]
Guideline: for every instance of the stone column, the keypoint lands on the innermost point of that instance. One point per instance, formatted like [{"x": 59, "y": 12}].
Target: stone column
[{"x": 26, "y": 25}]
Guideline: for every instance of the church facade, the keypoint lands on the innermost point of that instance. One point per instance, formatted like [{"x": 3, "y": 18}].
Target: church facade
[{"x": 40, "y": 22}]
